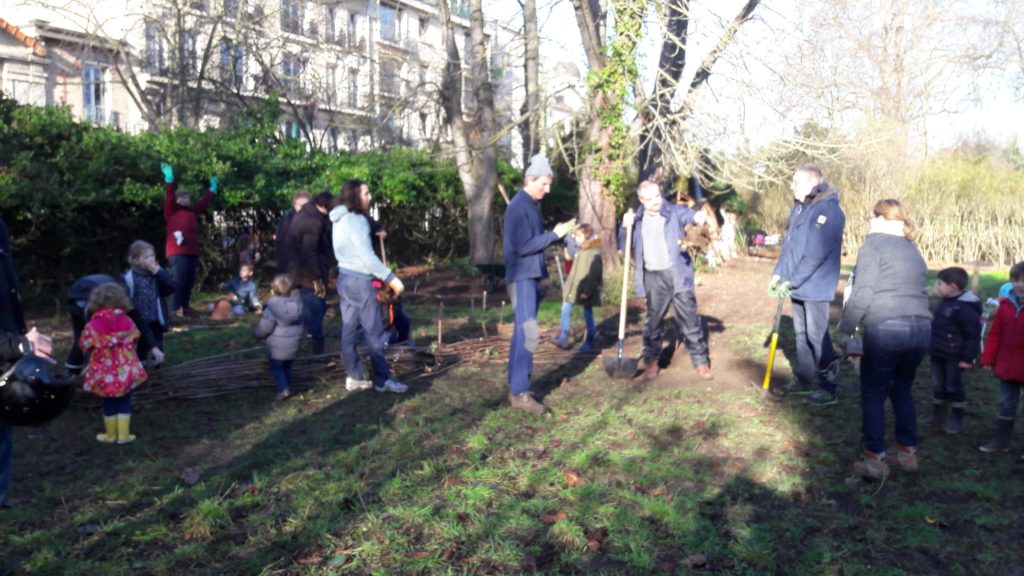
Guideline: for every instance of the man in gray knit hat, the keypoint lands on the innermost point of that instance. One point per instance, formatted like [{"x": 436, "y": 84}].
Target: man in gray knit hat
[{"x": 524, "y": 243}]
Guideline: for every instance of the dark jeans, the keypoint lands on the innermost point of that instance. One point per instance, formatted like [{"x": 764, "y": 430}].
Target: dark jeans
[
  {"x": 814, "y": 349},
  {"x": 948, "y": 380},
  {"x": 76, "y": 358},
  {"x": 661, "y": 293},
  {"x": 314, "y": 308},
  {"x": 892, "y": 352},
  {"x": 120, "y": 405},
  {"x": 185, "y": 268},
  {"x": 360, "y": 314},
  {"x": 525, "y": 296},
  {"x": 1009, "y": 398},
  {"x": 281, "y": 370}
]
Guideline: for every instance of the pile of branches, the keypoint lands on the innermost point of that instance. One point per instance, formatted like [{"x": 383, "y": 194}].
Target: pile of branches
[{"x": 239, "y": 370}]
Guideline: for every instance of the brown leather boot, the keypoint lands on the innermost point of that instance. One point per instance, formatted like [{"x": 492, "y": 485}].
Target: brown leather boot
[
  {"x": 704, "y": 371},
  {"x": 871, "y": 467},
  {"x": 526, "y": 403},
  {"x": 651, "y": 369}
]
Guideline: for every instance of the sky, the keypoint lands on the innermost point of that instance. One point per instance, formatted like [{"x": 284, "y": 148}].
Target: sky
[{"x": 734, "y": 103}]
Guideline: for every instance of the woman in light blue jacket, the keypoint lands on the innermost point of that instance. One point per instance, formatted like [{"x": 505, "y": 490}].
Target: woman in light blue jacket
[{"x": 357, "y": 267}]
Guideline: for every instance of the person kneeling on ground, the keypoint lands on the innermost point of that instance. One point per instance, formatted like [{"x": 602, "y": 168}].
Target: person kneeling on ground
[{"x": 242, "y": 292}]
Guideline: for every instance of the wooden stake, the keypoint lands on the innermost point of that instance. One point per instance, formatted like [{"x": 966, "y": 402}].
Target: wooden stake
[{"x": 485, "y": 301}]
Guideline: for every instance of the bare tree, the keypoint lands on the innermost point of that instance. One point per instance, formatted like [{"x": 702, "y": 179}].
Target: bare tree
[
  {"x": 530, "y": 126},
  {"x": 475, "y": 140}
]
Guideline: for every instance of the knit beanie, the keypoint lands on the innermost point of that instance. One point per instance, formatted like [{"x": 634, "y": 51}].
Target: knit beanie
[{"x": 539, "y": 167}]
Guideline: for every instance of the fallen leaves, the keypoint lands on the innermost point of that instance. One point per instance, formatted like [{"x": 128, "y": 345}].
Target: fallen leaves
[
  {"x": 552, "y": 518},
  {"x": 572, "y": 478},
  {"x": 596, "y": 539}
]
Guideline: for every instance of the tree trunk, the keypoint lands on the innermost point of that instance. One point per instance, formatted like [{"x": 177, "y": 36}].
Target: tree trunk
[
  {"x": 475, "y": 153},
  {"x": 529, "y": 128}
]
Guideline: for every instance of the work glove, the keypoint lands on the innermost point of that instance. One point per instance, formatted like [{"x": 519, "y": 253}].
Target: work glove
[
  {"x": 213, "y": 184},
  {"x": 784, "y": 290},
  {"x": 168, "y": 172},
  {"x": 396, "y": 286},
  {"x": 773, "y": 286},
  {"x": 565, "y": 228}
]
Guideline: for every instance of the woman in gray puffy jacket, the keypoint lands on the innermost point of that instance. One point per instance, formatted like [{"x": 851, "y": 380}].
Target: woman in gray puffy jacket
[{"x": 283, "y": 325}]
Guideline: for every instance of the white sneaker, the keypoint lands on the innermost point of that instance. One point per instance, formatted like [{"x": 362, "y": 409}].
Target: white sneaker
[
  {"x": 392, "y": 386},
  {"x": 352, "y": 384}
]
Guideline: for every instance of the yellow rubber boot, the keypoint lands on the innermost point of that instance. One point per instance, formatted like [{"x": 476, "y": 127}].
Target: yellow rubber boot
[
  {"x": 124, "y": 423},
  {"x": 110, "y": 436}
]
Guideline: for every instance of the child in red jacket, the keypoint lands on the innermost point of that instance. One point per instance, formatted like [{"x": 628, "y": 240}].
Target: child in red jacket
[
  {"x": 1004, "y": 356},
  {"x": 114, "y": 369}
]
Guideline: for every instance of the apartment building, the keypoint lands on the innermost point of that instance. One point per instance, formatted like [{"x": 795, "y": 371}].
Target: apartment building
[{"x": 348, "y": 74}]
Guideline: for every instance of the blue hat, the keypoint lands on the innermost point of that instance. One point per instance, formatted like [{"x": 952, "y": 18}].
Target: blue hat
[{"x": 1004, "y": 291}]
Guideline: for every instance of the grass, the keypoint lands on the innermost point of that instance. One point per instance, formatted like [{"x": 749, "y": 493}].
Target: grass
[{"x": 621, "y": 478}]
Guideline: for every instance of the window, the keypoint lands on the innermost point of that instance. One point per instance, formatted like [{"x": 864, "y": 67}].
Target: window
[
  {"x": 291, "y": 72},
  {"x": 353, "y": 140},
  {"x": 188, "y": 54},
  {"x": 232, "y": 63},
  {"x": 94, "y": 94},
  {"x": 291, "y": 129},
  {"x": 329, "y": 33},
  {"x": 389, "y": 77},
  {"x": 333, "y": 135},
  {"x": 388, "y": 23},
  {"x": 353, "y": 88},
  {"x": 331, "y": 83},
  {"x": 353, "y": 30},
  {"x": 156, "y": 59},
  {"x": 460, "y": 8},
  {"x": 291, "y": 16},
  {"x": 198, "y": 5},
  {"x": 424, "y": 27}
]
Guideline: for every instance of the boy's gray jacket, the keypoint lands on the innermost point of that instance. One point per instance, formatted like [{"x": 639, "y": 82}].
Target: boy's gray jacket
[
  {"x": 283, "y": 325},
  {"x": 352, "y": 248}
]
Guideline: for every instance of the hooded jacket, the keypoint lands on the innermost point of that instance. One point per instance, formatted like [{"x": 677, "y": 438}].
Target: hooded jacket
[
  {"x": 956, "y": 328},
  {"x": 352, "y": 248},
  {"x": 810, "y": 255},
  {"x": 283, "y": 325},
  {"x": 585, "y": 276},
  {"x": 676, "y": 217},
  {"x": 308, "y": 247},
  {"x": 1004, "y": 347}
]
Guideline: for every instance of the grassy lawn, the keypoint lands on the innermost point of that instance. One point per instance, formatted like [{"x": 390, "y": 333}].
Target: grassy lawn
[{"x": 675, "y": 476}]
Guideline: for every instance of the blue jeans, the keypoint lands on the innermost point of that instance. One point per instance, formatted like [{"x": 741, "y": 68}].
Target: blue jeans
[
  {"x": 893, "y": 350},
  {"x": 947, "y": 380},
  {"x": 1009, "y": 398},
  {"x": 314, "y": 308},
  {"x": 120, "y": 405},
  {"x": 814, "y": 349},
  {"x": 661, "y": 293},
  {"x": 360, "y": 315},
  {"x": 281, "y": 370},
  {"x": 525, "y": 296},
  {"x": 588, "y": 317},
  {"x": 185, "y": 269},
  {"x": 6, "y": 449}
]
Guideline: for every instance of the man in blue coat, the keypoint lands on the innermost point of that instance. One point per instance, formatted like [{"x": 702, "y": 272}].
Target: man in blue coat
[
  {"x": 664, "y": 276},
  {"x": 808, "y": 272},
  {"x": 524, "y": 243}
]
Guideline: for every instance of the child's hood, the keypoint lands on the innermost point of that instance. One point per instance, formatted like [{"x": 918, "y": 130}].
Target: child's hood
[
  {"x": 591, "y": 244},
  {"x": 285, "y": 309},
  {"x": 970, "y": 298}
]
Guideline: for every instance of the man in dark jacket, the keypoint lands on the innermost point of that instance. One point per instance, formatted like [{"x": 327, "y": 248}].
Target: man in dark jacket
[
  {"x": 15, "y": 342},
  {"x": 309, "y": 256},
  {"x": 664, "y": 276},
  {"x": 524, "y": 242},
  {"x": 299, "y": 199},
  {"x": 808, "y": 272}
]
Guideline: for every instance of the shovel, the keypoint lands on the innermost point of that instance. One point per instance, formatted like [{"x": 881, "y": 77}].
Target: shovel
[
  {"x": 618, "y": 366},
  {"x": 774, "y": 342}
]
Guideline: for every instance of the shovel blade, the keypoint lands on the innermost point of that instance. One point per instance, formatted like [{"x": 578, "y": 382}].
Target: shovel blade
[{"x": 619, "y": 367}]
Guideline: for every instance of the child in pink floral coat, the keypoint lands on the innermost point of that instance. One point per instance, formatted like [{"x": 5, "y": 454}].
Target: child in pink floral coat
[{"x": 114, "y": 369}]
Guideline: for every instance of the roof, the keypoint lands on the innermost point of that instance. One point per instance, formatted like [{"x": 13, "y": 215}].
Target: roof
[{"x": 37, "y": 46}]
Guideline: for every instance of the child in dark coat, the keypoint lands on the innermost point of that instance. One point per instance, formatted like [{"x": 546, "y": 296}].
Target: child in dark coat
[
  {"x": 149, "y": 286},
  {"x": 956, "y": 339},
  {"x": 283, "y": 325},
  {"x": 1004, "y": 356}
]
